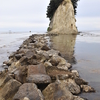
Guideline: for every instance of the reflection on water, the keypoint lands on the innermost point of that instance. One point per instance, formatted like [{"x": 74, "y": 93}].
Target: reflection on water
[
  {"x": 87, "y": 55},
  {"x": 65, "y": 44}
]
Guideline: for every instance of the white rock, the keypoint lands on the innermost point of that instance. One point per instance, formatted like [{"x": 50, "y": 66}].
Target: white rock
[
  {"x": 75, "y": 72},
  {"x": 63, "y": 21},
  {"x": 87, "y": 88},
  {"x": 47, "y": 64}
]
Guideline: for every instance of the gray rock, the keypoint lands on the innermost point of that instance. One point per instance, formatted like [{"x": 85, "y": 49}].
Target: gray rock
[
  {"x": 28, "y": 91},
  {"x": 45, "y": 47},
  {"x": 4, "y": 78},
  {"x": 60, "y": 62},
  {"x": 18, "y": 56},
  {"x": 9, "y": 89},
  {"x": 53, "y": 52},
  {"x": 72, "y": 86},
  {"x": 80, "y": 81},
  {"x": 87, "y": 89},
  {"x": 37, "y": 74},
  {"x": 57, "y": 91},
  {"x": 20, "y": 74},
  {"x": 75, "y": 72}
]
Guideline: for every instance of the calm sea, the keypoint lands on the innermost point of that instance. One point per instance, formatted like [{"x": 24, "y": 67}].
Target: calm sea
[{"x": 83, "y": 51}]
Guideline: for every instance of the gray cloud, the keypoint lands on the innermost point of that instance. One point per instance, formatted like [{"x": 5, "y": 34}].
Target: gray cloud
[{"x": 88, "y": 8}]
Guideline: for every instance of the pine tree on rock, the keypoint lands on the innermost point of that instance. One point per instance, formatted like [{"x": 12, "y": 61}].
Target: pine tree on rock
[{"x": 54, "y": 4}]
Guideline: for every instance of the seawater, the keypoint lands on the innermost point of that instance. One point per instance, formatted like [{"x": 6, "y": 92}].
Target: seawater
[{"x": 83, "y": 52}]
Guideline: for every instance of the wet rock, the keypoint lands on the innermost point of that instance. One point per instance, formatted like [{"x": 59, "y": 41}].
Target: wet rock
[
  {"x": 38, "y": 45},
  {"x": 23, "y": 60},
  {"x": 53, "y": 52},
  {"x": 29, "y": 54},
  {"x": 0, "y": 72},
  {"x": 45, "y": 47},
  {"x": 37, "y": 74},
  {"x": 80, "y": 81},
  {"x": 75, "y": 72},
  {"x": 20, "y": 74},
  {"x": 25, "y": 98},
  {"x": 57, "y": 91},
  {"x": 14, "y": 66},
  {"x": 22, "y": 50},
  {"x": 47, "y": 64},
  {"x": 87, "y": 89},
  {"x": 31, "y": 58},
  {"x": 18, "y": 56},
  {"x": 54, "y": 61},
  {"x": 78, "y": 98},
  {"x": 4, "y": 78},
  {"x": 12, "y": 55},
  {"x": 28, "y": 91},
  {"x": 63, "y": 76},
  {"x": 44, "y": 55},
  {"x": 9, "y": 89},
  {"x": 53, "y": 71},
  {"x": 59, "y": 62},
  {"x": 5, "y": 66},
  {"x": 62, "y": 67},
  {"x": 68, "y": 65},
  {"x": 9, "y": 62},
  {"x": 72, "y": 86}
]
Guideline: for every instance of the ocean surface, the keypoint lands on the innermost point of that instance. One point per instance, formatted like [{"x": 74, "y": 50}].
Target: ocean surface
[
  {"x": 10, "y": 42},
  {"x": 82, "y": 51}
]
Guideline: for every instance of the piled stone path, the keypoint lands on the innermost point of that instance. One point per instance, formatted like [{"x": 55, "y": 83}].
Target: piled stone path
[{"x": 37, "y": 72}]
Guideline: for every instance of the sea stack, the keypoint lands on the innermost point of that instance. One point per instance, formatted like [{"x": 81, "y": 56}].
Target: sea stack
[{"x": 63, "y": 20}]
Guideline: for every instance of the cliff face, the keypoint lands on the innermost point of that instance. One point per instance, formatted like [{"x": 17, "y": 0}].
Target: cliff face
[{"x": 63, "y": 21}]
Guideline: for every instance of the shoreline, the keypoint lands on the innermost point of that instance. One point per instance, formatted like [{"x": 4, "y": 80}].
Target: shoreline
[{"x": 50, "y": 70}]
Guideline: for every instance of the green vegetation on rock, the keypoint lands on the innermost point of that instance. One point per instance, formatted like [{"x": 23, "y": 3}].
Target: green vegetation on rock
[
  {"x": 74, "y": 2},
  {"x": 54, "y": 4}
]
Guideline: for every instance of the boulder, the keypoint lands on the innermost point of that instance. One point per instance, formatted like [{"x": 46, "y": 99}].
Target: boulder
[
  {"x": 53, "y": 52},
  {"x": 60, "y": 62},
  {"x": 45, "y": 47},
  {"x": 87, "y": 89},
  {"x": 80, "y": 81},
  {"x": 37, "y": 74},
  {"x": 29, "y": 54},
  {"x": 18, "y": 56},
  {"x": 75, "y": 72},
  {"x": 9, "y": 89},
  {"x": 57, "y": 91},
  {"x": 28, "y": 91},
  {"x": 20, "y": 74},
  {"x": 4, "y": 78},
  {"x": 72, "y": 86}
]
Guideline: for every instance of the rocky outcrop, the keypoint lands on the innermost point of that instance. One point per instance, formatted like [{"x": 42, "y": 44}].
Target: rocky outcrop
[{"x": 63, "y": 21}]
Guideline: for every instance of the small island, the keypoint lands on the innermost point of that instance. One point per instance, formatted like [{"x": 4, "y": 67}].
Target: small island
[{"x": 62, "y": 16}]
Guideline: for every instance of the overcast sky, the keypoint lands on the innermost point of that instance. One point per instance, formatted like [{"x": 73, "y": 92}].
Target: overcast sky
[{"x": 30, "y": 15}]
